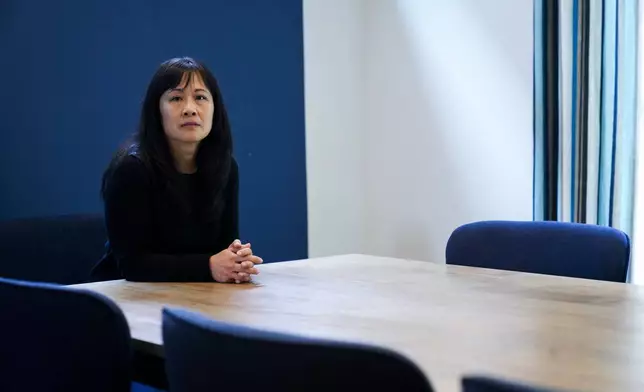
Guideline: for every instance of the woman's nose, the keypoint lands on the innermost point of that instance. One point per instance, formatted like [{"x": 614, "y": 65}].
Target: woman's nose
[{"x": 188, "y": 111}]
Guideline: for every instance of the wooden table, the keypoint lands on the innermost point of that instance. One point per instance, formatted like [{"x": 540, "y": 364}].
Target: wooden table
[{"x": 559, "y": 332}]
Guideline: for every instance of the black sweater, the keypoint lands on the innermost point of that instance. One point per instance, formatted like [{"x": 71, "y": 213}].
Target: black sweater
[{"x": 152, "y": 237}]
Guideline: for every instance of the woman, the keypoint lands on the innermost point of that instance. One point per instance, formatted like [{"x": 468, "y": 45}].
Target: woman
[{"x": 171, "y": 196}]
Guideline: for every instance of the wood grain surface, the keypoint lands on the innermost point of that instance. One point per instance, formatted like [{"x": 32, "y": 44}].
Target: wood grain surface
[{"x": 559, "y": 332}]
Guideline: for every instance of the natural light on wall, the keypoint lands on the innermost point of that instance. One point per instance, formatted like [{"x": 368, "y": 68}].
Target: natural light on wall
[{"x": 637, "y": 269}]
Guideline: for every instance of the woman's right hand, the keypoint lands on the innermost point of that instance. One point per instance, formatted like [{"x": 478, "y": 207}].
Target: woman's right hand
[{"x": 228, "y": 266}]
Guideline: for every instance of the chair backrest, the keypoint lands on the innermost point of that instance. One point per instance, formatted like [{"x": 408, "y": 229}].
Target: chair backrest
[
  {"x": 207, "y": 355},
  {"x": 553, "y": 248},
  {"x": 56, "y": 338},
  {"x": 55, "y": 249},
  {"x": 491, "y": 384}
]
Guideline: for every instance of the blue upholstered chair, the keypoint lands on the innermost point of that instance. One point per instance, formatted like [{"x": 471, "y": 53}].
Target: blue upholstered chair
[
  {"x": 553, "y": 248},
  {"x": 491, "y": 384},
  {"x": 207, "y": 355},
  {"x": 54, "y": 249},
  {"x": 56, "y": 338}
]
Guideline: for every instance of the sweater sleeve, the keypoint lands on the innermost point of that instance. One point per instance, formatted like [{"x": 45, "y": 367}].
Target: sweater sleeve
[
  {"x": 230, "y": 215},
  {"x": 128, "y": 219}
]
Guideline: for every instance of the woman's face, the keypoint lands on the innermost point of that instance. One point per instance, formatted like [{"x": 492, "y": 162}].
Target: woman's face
[{"x": 187, "y": 111}]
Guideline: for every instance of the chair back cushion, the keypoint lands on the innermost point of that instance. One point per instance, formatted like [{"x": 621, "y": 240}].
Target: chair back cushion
[
  {"x": 554, "y": 248},
  {"x": 57, "y": 338},
  {"x": 56, "y": 249},
  {"x": 207, "y": 355},
  {"x": 491, "y": 384}
]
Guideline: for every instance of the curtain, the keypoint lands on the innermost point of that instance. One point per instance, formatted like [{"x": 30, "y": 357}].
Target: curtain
[{"x": 585, "y": 80}]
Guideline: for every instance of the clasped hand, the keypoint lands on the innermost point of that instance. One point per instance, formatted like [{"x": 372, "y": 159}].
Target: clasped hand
[{"x": 234, "y": 264}]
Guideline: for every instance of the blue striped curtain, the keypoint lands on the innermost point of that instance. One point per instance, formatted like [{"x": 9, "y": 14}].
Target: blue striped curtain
[{"x": 585, "y": 80}]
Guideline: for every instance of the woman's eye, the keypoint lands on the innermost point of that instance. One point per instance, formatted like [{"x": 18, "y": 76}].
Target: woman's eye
[
  {"x": 174, "y": 99},
  {"x": 202, "y": 97}
]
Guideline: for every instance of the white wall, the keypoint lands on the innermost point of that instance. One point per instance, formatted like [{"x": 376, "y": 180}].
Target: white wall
[
  {"x": 449, "y": 120},
  {"x": 334, "y": 139},
  {"x": 637, "y": 236},
  {"x": 444, "y": 120}
]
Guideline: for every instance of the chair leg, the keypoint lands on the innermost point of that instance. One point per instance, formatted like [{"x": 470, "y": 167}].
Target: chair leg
[{"x": 149, "y": 370}]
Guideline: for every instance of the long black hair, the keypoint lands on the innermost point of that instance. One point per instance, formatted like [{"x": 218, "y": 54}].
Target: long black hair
[{"x": 150, "y": 145}]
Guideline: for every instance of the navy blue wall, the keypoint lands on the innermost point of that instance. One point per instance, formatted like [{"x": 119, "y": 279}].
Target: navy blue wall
[{"x": 74, "y": 73}]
